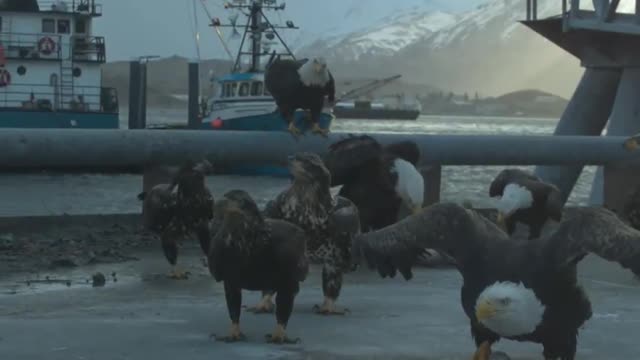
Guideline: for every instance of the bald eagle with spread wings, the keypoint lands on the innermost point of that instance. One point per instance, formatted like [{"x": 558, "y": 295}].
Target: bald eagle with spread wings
[
  {"x": 515, "y": 289},
  {"x": 180, "y": 208}
]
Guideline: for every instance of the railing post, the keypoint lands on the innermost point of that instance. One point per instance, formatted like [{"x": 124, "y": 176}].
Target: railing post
[
  {"x": 194, "y": 90},
  {"x": 134, "y": 94},
  {"x": 432, "y": 181}
]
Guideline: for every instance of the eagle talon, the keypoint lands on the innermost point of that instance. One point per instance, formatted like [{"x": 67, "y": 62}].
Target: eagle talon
[
  {"x": 234, "y": 336},
  {"x": 279, "y": 336},
  {"x": 329, "y": 310},
  {"x": 483, "y": 352},
  {"x": 230, "y": 338},
  {"x": 265, "y": 306},
  {"x": 271, "y": 339},
  {"x": 178, "y": 274},
  {"x": 316, "y": 129},
  {"x": 294, "y": 130}
]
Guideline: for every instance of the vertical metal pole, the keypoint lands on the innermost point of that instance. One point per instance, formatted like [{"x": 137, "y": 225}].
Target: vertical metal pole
[
  {"x": 586, "y": 114},
  {"x": 194, "y": 90},
  {"x": 528, "y": 9},
  {"x": 432, "y": 183},
  {"x": 534, "y": 9},
  {"x": 134, "y": 94},
  {"x": 143, "y": 95},
  {"x": 625, "y": 120}
]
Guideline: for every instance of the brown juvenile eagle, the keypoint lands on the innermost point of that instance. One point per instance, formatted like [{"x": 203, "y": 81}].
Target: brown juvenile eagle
[
  {"x": 178, "y": 209},
  {"x": 516, "y": 289},
  {"x": 329, "y": 223},
  {"x": 253, "y": 253}
]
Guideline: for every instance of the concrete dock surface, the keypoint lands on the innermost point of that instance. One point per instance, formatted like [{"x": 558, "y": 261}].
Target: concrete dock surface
[{"x": 144, "y": 315}]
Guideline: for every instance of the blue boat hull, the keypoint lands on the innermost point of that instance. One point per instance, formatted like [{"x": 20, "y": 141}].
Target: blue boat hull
[
  {"x": 270, "y": 122},
  {"x": 57, "y": 120},
  {"x": 267, "y": 122}
]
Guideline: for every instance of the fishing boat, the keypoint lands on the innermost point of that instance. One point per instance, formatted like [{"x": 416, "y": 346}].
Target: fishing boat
[
  {"x": 50, "y": 74},
  {"x": 241, "y": 100}
]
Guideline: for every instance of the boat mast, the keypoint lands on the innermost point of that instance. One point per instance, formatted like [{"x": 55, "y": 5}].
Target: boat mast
[
  {"x": 256, "y": 34},
  {"x": 256, "y": 25}
]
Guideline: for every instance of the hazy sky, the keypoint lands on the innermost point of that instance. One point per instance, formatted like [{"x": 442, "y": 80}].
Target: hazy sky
[{"x": 165, "y": 27}]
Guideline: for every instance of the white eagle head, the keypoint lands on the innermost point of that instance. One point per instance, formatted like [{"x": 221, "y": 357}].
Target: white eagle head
[
  {"x": 314, "y": 72},
  {"x": 509, "y": 309},
  {"x": 319, "y": 64}
]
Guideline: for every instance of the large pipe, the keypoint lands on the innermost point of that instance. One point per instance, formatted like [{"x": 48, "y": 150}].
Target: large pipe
[
  {"x": 586, "y": 114},
  {"x": 111, "y": 149}
]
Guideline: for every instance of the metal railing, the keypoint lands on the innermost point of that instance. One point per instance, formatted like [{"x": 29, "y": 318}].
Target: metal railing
[
  {"x": 39, "y": 97},
  {"x": 604, "y": 11},
  {"x": 78, "y": 48},
  {"x": 88, "y": 7}
]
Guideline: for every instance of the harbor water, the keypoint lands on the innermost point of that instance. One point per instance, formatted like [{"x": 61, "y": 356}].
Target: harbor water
[{"x": 54, "y": 194}]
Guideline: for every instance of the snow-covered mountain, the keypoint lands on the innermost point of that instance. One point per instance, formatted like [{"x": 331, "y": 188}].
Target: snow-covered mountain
[
  {"x": 484, "y": 49},
  {"x": 384, "y": 38}
]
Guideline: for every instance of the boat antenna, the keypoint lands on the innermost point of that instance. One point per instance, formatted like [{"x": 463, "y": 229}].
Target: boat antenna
[
  {"x": 216, "y": 26},
  {"x": 197, "y": 30}
]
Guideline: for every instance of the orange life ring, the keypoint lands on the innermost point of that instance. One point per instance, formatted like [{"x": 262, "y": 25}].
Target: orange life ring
[
  {"x": 5, "y": 78},
  {"x": 46, "y": 45}
]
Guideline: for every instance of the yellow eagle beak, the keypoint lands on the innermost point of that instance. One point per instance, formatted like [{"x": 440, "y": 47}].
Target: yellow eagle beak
[
  {"x": 631, "y": 144},
  {"x": 416, "y": 209},
  {"x": 502, "y": 218},
  {"x": 484, "y": 311}
]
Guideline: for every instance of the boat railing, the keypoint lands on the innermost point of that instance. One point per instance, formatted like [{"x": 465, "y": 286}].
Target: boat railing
[
  {"x": 36, "y": 46},
  {"x": 83, "y": 7},
  {"x": 593, "y": 14},
  {"x": 49, "y": 98}
]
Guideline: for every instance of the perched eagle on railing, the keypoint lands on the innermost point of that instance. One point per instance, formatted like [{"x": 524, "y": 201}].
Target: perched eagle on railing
[
  {"x": 515, "y": 289},
  {"x": 178, "y": 209},
  {"x": 525, "y": 198},
  {"x": 296, "y": 85},
  {"x": 253, "y": 253}
]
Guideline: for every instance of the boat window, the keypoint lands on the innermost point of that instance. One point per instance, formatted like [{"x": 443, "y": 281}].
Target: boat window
[
  {"x": 244, "y": 89},
  {"x": 234, "y": 87},
  {"x": 48, "y": 26},
  {"x": 81, "y": 26},
  {"x": 64, "y": 26},
  {"x": 256, "y": 88}
]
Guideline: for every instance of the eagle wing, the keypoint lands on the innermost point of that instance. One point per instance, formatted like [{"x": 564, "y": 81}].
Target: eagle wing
[
  {"x": 282, "y": 79},
  {"x": 594, "y": 230},
  {"x": 290, "y": 248},
  {"x": 330, "y": 88},
  {"x": 346, "y": 156},
  {"x": 445, "y": 227},
  {"x": 343, "y": 226},
  {"x": 158, "y": 207},
  {"x": 547, "y": 193}
]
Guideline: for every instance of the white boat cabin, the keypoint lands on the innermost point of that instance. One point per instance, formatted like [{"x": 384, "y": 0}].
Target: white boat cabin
[{"x": 49, "y": 59}]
